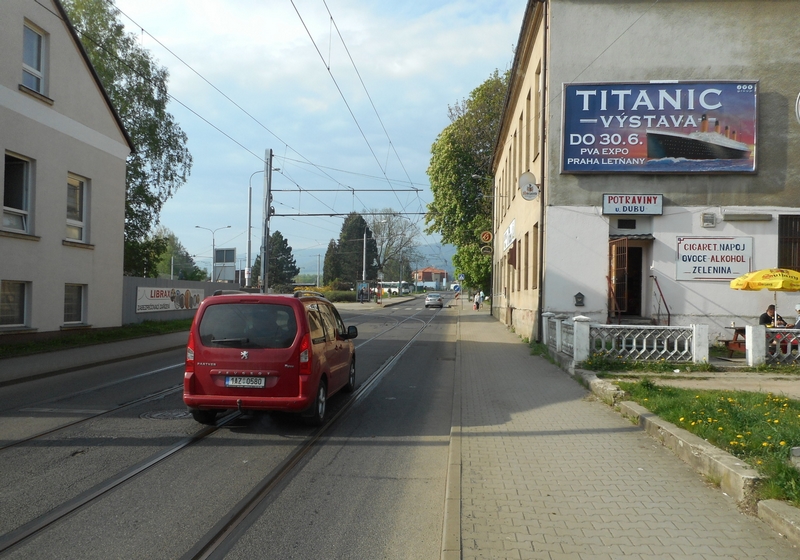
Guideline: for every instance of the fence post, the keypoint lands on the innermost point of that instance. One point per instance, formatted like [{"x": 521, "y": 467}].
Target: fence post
[
  {"x": 700, "y": 344},
  {"x": 546, "y": 327},
  {"x": 755, "y": 339},
  {"x": 581, "y": 338},
  {"x": 559, "y": 322}
]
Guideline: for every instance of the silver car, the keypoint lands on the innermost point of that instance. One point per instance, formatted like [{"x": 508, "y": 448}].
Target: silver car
[{"x": 434, "y": 299}]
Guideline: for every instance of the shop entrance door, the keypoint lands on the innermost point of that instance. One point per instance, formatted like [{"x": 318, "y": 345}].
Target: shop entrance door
[{"x": 624, "y": 280}]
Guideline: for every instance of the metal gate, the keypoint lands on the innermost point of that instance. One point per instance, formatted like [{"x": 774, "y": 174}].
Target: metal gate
[{"x": 617, "y": 276}]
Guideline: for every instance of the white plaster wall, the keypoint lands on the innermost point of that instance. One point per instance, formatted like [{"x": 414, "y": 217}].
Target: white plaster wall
[{"x": 76, "y": 134}]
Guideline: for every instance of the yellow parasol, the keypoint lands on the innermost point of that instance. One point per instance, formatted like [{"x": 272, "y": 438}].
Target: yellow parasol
[{"x": 773, "y": 279}]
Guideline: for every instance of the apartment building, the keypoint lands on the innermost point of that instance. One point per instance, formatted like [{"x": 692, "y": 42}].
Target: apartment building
[{"x": 63, "y": 178}]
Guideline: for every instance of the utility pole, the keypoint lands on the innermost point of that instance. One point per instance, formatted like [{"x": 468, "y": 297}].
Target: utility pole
[
  {"x": 248, "y": 274},
  {"x": 318, "y": 256},
  {"x": 267, "y": 214}
]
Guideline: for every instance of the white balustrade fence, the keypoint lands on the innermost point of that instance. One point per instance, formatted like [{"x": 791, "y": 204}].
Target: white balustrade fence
[{"x": 578, "y": 338}]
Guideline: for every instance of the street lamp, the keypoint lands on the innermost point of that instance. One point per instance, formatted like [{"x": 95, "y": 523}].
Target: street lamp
[{"x": 213, "y": 247}]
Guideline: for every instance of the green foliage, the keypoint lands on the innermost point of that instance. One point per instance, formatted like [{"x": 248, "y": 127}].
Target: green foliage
[
  {"x": 459, "y": 173},
  {"x": 282, "y": 267},
  {"x": 176, "y": 260},
  {"x": 137, "y": 87},
  {"x": 350, "y": 250},
  {"x": 760, "y": 428},
  {"x": 606, "y": 361},
  {"x": 88, "y": 337},
  {"x": 331, "y": 270}
]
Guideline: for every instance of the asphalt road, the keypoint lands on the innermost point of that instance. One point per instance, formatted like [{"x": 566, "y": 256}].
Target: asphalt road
[{"x": 372, "y": 486}]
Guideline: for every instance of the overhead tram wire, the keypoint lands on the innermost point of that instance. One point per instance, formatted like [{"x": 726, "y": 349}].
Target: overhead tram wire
[
  {"x": 282, "y": 172},
  {"x": 386, "y": 132},
  {"x": 262, "y": 125},
  {"x": 305, "y": 160},
  {"x": 344, "y": 99}
]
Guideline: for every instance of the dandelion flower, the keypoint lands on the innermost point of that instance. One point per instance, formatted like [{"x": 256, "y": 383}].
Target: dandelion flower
[
  {"x": 740, "y": 436},
  {"x": 783, "y": 443}
]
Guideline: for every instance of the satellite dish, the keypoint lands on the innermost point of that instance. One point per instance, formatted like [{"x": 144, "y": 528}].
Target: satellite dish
[{"x": 528, "y": 186}]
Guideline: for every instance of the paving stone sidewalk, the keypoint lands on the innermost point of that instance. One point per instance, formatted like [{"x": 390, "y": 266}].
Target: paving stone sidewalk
[{"x": 549, "y": 472}]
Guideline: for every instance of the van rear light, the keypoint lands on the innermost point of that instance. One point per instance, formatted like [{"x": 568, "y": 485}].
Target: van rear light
[
  {"x": 190, "y": 354},
  {"x": 305, "y": 355}
]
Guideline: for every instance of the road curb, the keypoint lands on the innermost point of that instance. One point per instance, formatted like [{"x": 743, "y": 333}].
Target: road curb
[{"x": 451, "y": 525}]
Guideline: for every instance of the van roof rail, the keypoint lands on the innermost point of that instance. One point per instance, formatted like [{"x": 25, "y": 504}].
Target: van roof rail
[{"x": 302, "y": 293}]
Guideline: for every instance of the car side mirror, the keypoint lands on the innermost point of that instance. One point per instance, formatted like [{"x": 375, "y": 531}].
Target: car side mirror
[{"x": 352, "y": 332}]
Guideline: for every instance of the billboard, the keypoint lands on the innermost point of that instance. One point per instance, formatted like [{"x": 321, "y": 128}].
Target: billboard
[
  {"x": 660, "y": 127},
  {"x": 149, "y": 300}
]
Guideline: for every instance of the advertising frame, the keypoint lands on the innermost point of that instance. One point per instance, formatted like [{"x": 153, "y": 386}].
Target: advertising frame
[{"x": 659, "y": 127}]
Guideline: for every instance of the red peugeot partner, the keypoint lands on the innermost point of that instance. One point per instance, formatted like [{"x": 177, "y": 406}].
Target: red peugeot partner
[{"x": 267, "y": 352}]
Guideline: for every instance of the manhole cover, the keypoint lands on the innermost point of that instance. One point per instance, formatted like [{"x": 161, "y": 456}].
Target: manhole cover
[{"x": 167, "y": 414}]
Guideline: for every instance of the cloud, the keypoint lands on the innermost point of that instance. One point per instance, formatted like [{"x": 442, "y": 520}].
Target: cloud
[{"x": 415, "y": 58}]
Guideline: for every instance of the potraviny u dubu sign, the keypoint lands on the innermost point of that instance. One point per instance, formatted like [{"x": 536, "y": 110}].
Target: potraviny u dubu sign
[{"x": 664, "y": 127}]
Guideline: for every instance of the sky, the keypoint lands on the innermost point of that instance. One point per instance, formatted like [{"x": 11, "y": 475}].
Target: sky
[{"x": 349, "y": 95}]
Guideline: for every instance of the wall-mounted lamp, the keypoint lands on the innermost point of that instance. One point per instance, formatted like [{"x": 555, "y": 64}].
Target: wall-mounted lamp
[{"x": 578, "y": 299}]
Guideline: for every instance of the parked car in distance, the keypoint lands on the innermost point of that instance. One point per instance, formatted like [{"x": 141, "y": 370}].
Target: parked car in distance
[
  {"x": 434, "y": 299},
  {"x": 267, "y": 352}
]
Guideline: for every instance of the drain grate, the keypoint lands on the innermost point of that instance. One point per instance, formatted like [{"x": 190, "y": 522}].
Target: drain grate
[{"x": 181, "y": 414}]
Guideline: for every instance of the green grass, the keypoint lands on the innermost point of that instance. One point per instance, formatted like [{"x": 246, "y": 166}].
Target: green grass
[
  {"x": 759, "y": 428},
  {"x": 606, "y": 362},
  {"x": 88, "y": 337}
]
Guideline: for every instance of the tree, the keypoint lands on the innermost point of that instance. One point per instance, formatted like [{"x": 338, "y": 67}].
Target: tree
[
  {"x": 459, "y": 174},
  {"x": 351, "y": 250},
  {"x": 137, "y": 87},
  {"x": 395, "y": 239},
  {"x": 282, "y": 268},
  {"x": 176, "y": 261},
  {"x": 331, "y": 271}
]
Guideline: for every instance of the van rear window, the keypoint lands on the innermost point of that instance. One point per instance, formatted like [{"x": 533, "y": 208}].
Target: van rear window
[{"x": 248, "y": 325}]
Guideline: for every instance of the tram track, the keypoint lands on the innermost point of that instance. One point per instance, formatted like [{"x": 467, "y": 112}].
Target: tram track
[{"x": 237, "y": 519}]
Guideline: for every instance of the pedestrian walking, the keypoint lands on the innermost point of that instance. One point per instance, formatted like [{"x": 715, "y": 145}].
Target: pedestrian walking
[{"x": 477, "y": 304}]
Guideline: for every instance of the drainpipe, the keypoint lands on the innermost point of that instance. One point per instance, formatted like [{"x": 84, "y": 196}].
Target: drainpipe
[{"x": 543, "y": 190}]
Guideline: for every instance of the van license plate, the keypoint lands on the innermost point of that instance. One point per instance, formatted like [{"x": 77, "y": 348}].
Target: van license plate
[{"x": 252, "y": 382}]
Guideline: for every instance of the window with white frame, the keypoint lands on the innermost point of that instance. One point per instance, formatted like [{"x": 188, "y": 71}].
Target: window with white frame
[
  {"x": 73, "y": 303},
  {"x": 76, "y": 208},
  {"x": 33, "y": 59},
  {"x": 12, "y": 303},
  {"x": 16, "y": 193}
]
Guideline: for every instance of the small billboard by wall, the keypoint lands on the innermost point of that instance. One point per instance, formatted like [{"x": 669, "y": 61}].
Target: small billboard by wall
[
  {"x": 713, "y": 258},
  {"x": 152, "y": 299}
]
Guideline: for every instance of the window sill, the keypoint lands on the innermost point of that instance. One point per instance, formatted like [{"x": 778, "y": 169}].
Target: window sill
[
  {"x": 75, "y": 327},
  {"x": 36, "y": 94},
  {"x": 78, "y": 244},
  {"x": 19, "y": 235}
]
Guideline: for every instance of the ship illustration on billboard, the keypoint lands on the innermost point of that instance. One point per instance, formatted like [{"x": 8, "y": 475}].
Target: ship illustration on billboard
[{"x": 696, "y": 145}]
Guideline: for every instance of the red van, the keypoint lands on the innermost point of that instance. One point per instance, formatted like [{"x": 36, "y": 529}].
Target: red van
[{"x": 267, "y": 352}]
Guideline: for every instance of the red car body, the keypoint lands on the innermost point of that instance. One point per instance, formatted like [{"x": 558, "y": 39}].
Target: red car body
[{"x": 267, "y": 352}]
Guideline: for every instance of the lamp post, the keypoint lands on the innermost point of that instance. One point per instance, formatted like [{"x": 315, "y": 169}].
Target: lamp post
[
  {"x": 248, "y": 271},
  {"x": 213, "y": 247}
]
